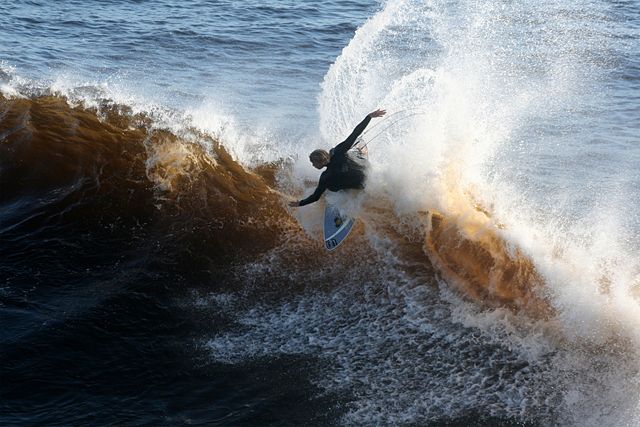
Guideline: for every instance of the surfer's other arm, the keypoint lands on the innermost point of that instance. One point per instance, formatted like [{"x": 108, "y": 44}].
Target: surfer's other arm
[
  {"x": 312, "y": 198},
  {"x": 346, "y": 145}
]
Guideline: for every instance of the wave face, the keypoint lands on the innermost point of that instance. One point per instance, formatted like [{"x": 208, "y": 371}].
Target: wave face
[
  {"x": 153, "y": 274},
  {"x": 103, "y": 221}
]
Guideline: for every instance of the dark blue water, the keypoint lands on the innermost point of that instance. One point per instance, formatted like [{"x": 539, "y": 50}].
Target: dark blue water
[{"x": 265, "y": 59}]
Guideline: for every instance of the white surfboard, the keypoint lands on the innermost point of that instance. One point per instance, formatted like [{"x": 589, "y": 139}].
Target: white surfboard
[{"x": 336, "y": 227}]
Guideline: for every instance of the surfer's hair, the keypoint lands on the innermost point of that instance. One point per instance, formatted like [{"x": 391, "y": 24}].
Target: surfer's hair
[{"x": 321, "y": 156}]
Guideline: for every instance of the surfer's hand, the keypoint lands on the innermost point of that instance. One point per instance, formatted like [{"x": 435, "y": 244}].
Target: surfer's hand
[
  {"x": 294, "y": 204},
  {"x": 378, "y": 113}
]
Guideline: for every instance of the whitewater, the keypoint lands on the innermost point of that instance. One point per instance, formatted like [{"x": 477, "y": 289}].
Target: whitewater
[{"x": 492, "y": 277}]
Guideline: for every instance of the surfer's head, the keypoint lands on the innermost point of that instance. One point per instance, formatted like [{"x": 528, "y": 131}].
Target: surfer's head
[{"x": 319, "y": 158}]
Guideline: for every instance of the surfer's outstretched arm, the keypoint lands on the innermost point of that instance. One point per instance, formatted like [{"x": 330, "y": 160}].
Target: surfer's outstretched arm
[
  {"x": 345, "y": 145},
  {"x": 312, "y": 198}
]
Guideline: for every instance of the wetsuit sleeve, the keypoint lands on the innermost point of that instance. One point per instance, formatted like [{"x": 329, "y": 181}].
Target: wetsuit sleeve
[
  {"x": 345, "y": 145},
  {"x": 316, "y": 194}
]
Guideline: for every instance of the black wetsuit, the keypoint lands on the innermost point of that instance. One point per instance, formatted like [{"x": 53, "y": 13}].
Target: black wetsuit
[{"x": 342, "y": 172}]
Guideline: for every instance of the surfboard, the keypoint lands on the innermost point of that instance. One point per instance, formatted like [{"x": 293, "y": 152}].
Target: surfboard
[{"x": 336, "y": 227}]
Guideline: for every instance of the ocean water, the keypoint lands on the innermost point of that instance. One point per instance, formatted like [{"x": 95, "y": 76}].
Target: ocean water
[{"x": 151, "y": 272}]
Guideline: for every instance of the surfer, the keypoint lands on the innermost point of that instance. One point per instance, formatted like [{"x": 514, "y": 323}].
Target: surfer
[{"x": 343, "y": 172}]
